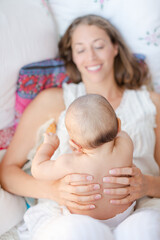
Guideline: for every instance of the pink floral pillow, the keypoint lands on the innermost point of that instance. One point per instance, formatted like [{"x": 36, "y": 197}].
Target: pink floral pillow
[
  {"x": 36, "y": 77},
  {"x": 32, "y": 79}
]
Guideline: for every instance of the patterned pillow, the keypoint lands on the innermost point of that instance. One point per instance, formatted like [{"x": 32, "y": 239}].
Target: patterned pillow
[
  {"x": 6, "y": 135},
  {"x": 35, "y": 77}
]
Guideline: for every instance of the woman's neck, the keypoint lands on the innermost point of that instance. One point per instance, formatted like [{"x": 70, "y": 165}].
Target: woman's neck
[{"x": 110, "y": 91}]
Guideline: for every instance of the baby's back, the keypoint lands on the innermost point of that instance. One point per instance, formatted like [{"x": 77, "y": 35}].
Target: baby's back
[{"x": 98, "y": 165}]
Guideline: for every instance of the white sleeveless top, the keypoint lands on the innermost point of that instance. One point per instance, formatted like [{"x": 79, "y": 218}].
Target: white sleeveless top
[{"x": 137, "y": 113}]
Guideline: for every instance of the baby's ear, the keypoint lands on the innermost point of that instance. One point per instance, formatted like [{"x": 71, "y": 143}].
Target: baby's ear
[
  {"x": 119, "y": 124},
  {"x": 74, "y": 146}
]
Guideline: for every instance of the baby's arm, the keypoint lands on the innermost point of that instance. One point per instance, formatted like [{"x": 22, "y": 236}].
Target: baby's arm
[{"x": 42, "y": 166}]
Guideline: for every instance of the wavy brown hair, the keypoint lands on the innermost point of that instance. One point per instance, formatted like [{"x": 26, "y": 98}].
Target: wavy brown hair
[{"x": 128, "y": 71}]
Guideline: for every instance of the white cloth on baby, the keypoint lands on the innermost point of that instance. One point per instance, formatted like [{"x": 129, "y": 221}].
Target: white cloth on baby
[{"x": 40, "y": 216}]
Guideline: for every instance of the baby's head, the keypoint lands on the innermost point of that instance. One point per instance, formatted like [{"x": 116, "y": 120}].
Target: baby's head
[{"x": 91, "y": 121}]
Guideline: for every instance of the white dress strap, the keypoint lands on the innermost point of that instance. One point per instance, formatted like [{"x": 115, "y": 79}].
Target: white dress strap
[{"x": 72, "y": 91}]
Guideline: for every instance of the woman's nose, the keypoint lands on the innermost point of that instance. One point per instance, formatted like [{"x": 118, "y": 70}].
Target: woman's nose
[{"x": 91, "y": 54}]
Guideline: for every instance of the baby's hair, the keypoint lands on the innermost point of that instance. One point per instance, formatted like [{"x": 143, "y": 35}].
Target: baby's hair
[{"x": 91, "y": 121}]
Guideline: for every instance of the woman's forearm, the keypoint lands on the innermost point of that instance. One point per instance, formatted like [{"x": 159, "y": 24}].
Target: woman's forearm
[
  {"x": 16, "y": 181},
  {"x": 153, "y": 189}
]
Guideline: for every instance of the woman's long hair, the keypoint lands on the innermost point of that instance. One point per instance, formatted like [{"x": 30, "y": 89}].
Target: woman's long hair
[{"x": 128, "y": 71}]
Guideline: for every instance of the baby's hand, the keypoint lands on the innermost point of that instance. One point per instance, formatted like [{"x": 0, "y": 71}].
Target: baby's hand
[{"x": 52, "y": 139}]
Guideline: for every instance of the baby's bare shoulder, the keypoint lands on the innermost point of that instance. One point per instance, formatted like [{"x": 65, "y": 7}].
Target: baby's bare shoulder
[
  {"x": 123, "y": 140},
  {"x": 123, "y": 149}
]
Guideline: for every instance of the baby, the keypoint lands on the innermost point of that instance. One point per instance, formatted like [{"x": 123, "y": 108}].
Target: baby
[{"x": 98, "y": 145}]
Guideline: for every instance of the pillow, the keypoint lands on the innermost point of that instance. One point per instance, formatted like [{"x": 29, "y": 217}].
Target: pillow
[
  {"x": 137, "y": 21},
  {"x": 27, "y": 34},
  {"x": 6, "y": 135},
  {"x": 35, "y": 77}
]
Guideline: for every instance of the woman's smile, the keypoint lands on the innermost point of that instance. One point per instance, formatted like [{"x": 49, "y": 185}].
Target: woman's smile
[{"x": 94, "y": 68}]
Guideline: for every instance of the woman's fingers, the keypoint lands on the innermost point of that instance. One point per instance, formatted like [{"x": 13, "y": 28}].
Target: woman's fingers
[
  {"x": 80, "y": 206},
  {"x": 82, "y": 189},
  {"x": 79, "y": 202},
  {"x": 125, "y": 176},
  {"x": 117, "y": 191},
  {"x": 80, "y": 198},
  {"x": 129, "y": 193},
  {"x": 125, "y": 200},
  {"x": 131, "y": 171},
  {"x": 119, "y": 180},
  {"x": 76, "y": 179},
  {"x": 133, "y": 184},
  {"x": 78, "y": 191}
]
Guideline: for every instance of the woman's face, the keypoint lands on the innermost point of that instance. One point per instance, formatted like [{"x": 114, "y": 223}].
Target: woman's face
[{"x": 93, "y": 53}]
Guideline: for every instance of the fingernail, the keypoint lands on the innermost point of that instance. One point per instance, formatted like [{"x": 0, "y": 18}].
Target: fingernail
[
  {"x": 98, "y": 196},
  {"x": 106, "y": 191},
  {"x": 92, "y": 206},
  {"x": 96, "y": 187},
  {"x": 112, "y": 171},
  {"x": 106, "y": 179},
  {"x": 50, "y": 133},
  {"x": 89, "y": 178}
]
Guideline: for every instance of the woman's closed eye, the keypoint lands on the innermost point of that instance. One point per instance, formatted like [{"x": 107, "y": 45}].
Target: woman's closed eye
[
  {"x": 95, "y": 47},
  {"x": 99, "y": 44},
  {"x": 80, "y": 50},
  {"x": 99, "y": 47}
]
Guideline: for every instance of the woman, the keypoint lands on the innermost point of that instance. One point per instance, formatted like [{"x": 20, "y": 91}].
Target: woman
[{"x": 95, "y": 54}]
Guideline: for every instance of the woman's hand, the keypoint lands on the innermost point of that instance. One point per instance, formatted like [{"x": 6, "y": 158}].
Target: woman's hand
[
  {"x": 135, "y": 184},
  {"x": 77, "y": 191}
]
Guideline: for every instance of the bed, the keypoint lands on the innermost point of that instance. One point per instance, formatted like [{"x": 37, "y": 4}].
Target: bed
[{"x": 30, "y": 30}]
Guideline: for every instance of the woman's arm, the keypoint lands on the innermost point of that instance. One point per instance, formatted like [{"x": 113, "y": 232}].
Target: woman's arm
[
  {"x": 154, "y": 182},
  {"x": 137, "y": 184},
  {"x": 48, "y": 104},
  {"x": 42, "y": 108}
]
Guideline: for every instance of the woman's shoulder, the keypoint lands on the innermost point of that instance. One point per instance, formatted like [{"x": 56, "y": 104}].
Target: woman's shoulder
[
  {"x": 155, "y": 97},
  {"x": 50, "y": 93},
  {"x": 50, "y": 96},
  {"x": 50, "y": 102}
]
